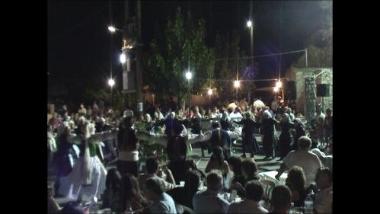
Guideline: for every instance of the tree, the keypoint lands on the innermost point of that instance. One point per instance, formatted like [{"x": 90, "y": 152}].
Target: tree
[
  {"x": 229, "y": 61},
  {"x": 319, "y": 44},
  {"x": 183, "y": 47}
]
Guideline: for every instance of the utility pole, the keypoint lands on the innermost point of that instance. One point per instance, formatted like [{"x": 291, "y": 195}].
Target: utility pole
[{"x": 138, "y": 62}]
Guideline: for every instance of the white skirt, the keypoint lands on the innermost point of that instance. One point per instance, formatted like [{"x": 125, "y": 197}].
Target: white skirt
[{"x": 73, "y": 185}]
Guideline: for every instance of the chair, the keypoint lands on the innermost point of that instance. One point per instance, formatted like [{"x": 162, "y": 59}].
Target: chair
[{"x": 268, "y": 186}]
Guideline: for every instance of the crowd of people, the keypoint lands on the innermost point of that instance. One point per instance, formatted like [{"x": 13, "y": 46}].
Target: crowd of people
[{"x": 78, "y": 141}]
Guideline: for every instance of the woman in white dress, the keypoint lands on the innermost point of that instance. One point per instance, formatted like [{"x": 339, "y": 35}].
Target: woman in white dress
[{"x": 87, "y": 179}]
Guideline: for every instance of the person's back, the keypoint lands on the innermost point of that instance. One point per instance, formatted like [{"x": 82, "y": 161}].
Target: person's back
[
  {"x": 208, "y": 201},
  {"x": 165, "y": 204},
  {"x": 308, "y": 161},
  {"x": 250, "y": 204},
  {"x": 161, "y": 201}
]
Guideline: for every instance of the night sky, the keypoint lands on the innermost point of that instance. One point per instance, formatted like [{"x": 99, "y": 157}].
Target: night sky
[{"x": 79, "y": 43}]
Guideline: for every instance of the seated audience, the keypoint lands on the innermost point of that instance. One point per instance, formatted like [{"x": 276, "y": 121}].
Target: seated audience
[
  {"x": 208, "y": 201},
  {"x": 152, "y": 172},
  {"x": 254, "y": 193},
  {"x": 323, "y": 198},
  {"x": 302, "y": 157},
  {"x": 160, "y": 201},
  {"x": 281, "y": 200},
  {"x": 296, "y": 183},
  {"x": 184, "y": 195}
]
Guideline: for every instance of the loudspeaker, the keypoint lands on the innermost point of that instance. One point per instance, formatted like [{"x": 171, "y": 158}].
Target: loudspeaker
[
  {"x": 290, "y": 90},
  {"x": 323, "y": 90}
]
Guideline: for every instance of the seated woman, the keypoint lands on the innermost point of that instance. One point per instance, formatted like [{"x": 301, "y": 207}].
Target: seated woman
[
  {"x": 235, "y": 166},
  {"x": 131, "y": 195},
  {"x": 296, "y": 182},
  {"x": 217, "y": 162}
]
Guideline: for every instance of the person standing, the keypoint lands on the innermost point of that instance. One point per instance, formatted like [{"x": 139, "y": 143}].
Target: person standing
[
  {"x": 220, "y": 138},
  {"x": 286, "y": 138},
  {"x": 248, "y": 137},
  {"x": 268, "y": 131},
  {"x": 128, "y": 147}
]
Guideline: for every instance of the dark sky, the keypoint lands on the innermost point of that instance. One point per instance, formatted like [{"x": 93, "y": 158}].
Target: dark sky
[{"x": 79, "y": 43}]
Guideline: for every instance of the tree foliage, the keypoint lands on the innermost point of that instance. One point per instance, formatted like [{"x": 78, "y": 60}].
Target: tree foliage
[
  {"x": 319, "y": 44},
  {"x": 183, "y": 47}
]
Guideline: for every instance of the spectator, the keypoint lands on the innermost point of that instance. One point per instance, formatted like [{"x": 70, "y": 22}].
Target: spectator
[
  {"x": 254, "y": 193},
  {"x": 82, "y": 110},
  {"x": 299, "y": 129},
  {"x": 296, "y": 183},
  {"x": 152, "y": 171},
  {"x": 281, "y": 199},
  {"x": 208, "y": 201},
  {"x": 217, "y": 162},
  {"x": 160, "y": 201},
  {"x": 302, "y": 157},
  {"x": 235, "y": 165},
  {"x": 184, "y": 195},
  {"x": 131, "y": 195},
  {"x": 328, "y": 125},
  {"x": 323, "y": 198},
  {"x": 249, "y": 173}
]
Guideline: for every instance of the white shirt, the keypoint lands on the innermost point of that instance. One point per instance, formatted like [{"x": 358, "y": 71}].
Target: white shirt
[
  {"x": 323, "y": 201},
  {"x": 308, "y": 161},
  {"x": 247, "y": 206}
]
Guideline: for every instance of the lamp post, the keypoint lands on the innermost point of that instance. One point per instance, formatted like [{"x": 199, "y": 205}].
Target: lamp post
[{"x": 250, "y": 26}]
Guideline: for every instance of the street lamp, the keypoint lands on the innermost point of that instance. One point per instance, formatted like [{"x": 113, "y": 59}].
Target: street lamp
[
  {"x": 111, "y": 29},
  {"x": 123, "y": 58},
  {"x": 236, "y": 84},
  {"x": 111, "y": 82},
  {"x": 209, "y": 91},
  {"x": 188, "y": 75},
  {"x": 279, "y": 84},
  {"x": 276, "y": 89},
  {"x": 249, "y": 23}
]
